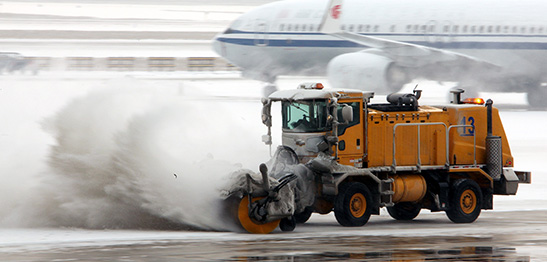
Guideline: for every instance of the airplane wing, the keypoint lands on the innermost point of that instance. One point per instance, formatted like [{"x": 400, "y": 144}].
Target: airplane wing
[{"x": 404, "y": 54}]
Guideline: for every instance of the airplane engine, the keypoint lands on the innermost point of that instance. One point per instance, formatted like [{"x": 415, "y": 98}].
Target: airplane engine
[{"x": 367, "y": 71}]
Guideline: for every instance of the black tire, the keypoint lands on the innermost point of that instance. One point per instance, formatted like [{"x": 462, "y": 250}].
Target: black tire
[
  {"x": 287, "y": 224},
  {"x": 405, "y": 210},
  {"x": 353, "y": 205},
  {"x": 303, "y": 216},
  {"x": 465, "y": 201}
]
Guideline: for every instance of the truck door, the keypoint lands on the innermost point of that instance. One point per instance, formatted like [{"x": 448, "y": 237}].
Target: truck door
[{"x": 351, "y": 145}]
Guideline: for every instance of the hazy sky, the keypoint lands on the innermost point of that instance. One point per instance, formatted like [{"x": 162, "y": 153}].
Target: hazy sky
[{"x": 166, "y": 2}]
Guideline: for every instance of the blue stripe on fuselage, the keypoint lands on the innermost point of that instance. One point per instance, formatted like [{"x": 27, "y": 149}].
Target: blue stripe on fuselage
[{"x": 288, "y": 43}]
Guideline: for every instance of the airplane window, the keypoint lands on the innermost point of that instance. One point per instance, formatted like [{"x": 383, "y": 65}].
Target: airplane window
[
  {"x": 343, "y": 27},
  {"x": 523, "y": 30},
  {"x": 446, "y": 28},
  {"x": 540, "y": 30},
  {"x": 481, "y": 29},
  {"x": 289, "y": 27},
  {"x": 360, "y": 28},
  {"x": 498, "y": 29},
  {"x": 423, "y": 29},
  {"x": 464, "y": 29},
  {"x": 431, "y": 28},
  {"x": 408, "y": 28},
  {"x": 296, "y": 28},
  {"x": 281, "y": 27},
  {"x": 376, "y": 28},
  {"x": 455, "y": 29},
  {"x": 303, "y": 27},
  {"x": 490, "y": 29},
  {"x": 532, "y": 30},
  {"x": 350, "y": 28},
  {"x": 506, "y": 29},
  {"x": 416, "y": 28},
  {"x": 393, "y": 28},
  {"x": 515, "y": 30},
  {"x": 473, "y": 29}
]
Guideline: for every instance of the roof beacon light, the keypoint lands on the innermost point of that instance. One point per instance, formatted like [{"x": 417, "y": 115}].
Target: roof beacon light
[
  {"x": 317, "y": 86},
  {"x": 474, "y": 101}
]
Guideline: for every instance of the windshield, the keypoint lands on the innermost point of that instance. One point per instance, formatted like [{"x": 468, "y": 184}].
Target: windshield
[{"x": 305, "y": 116}]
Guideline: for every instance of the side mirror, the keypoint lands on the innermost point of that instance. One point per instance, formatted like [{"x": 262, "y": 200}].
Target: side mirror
[{"x": 347, "y": 113}]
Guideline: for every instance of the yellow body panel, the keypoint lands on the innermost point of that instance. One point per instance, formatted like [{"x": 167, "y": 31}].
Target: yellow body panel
[{"x": 375, "y": 134}]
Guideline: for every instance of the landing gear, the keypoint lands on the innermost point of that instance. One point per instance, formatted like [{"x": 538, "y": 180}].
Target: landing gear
[
  {"x": 465, "y": 201},
  {"x": 353, "y": 205},
  {"x": 537, "y": 96}
]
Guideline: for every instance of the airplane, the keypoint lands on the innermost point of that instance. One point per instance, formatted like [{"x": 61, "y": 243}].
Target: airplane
[{"x": 380, "y": 45}]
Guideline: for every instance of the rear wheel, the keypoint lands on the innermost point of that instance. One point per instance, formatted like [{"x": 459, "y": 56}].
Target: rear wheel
[
  {"x": 353, "y": 205},
  {"x": 250, "y": 225},
  {"x": 465, "y": 201},
  {"x": 404, "y": 210}
]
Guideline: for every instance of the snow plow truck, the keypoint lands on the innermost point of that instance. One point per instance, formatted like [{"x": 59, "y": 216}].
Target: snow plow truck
[{"x": 341, "y": 153}]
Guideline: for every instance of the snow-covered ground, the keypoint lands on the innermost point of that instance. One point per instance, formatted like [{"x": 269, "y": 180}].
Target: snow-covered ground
[
  {"x": 85, "y": 151},
  {"x": 56, "y": 128}
]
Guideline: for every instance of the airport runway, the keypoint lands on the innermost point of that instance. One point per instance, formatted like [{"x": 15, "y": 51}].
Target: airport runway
[
  {"x": 496, "y": 236},
  {"x": 158, "y": 121},
  {"x": 515, "y": 231}
]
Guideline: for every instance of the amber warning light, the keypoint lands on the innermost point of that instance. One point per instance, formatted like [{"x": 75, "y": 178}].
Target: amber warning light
[{"x": 474, "y": 101}]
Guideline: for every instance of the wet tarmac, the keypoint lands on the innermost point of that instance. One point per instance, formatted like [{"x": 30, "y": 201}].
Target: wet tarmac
[{"x": 496, "y": 236}]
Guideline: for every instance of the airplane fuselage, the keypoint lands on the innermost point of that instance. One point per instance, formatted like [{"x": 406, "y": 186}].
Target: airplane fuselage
[{"x": 283, "y": 38}]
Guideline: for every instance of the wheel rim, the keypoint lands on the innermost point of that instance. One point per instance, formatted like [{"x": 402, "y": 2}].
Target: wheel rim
[
  {"x": 248, "y": 224},
  {"x": 358, "y": 205},
  {"x": 468, "y": 201}
]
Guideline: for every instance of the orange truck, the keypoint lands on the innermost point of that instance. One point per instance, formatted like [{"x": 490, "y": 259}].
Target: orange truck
[{"x": 344, "y": 154}]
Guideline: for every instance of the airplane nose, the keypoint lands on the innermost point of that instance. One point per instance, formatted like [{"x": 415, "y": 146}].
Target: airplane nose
[{"x": 219, "y": 47}]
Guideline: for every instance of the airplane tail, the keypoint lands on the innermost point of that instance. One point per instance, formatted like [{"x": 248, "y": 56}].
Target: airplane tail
[{"x": 331, "y": 19}]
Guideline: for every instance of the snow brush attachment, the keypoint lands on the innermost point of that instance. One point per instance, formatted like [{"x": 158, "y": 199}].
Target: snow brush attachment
[{"x": 263, "y": 203}]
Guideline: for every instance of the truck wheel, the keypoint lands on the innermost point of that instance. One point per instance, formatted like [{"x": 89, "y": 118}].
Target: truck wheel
[
  {"x": 404, "y": 210},
  {"x": 287, "y": 224},
  {"x": 303, "y": 216},
  {"x": 353, "y": 205},
  {"x": 465, "y": 201}
]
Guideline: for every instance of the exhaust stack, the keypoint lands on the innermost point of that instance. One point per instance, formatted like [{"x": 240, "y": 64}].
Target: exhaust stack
[{"x": 494, "y": 156}]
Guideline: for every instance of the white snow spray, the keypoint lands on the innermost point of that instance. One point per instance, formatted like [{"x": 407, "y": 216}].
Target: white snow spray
[{"x": 128, "y": 158}]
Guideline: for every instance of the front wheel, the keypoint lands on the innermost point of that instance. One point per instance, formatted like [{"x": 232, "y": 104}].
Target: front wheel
[
  {"x": 303, "y": 216},
  {"x": 404, "y": 210},
  {"x": 353, "y": 205},
  {"x": 465, "y": 201}
]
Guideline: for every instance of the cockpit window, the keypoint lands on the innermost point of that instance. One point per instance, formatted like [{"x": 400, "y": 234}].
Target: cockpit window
[
  {"x": 305, "y": 116},
  {"x": 228, "y": 31},
  {"x": 233, "y": 27}
]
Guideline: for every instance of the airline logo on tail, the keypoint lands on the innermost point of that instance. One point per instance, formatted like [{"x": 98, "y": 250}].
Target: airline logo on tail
[
  {"x": 331, "y": 17},
  {"x": 335, "y": 11}
]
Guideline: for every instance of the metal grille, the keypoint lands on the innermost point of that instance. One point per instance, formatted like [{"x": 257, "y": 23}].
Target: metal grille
[{"x": 494, "y": 156}]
